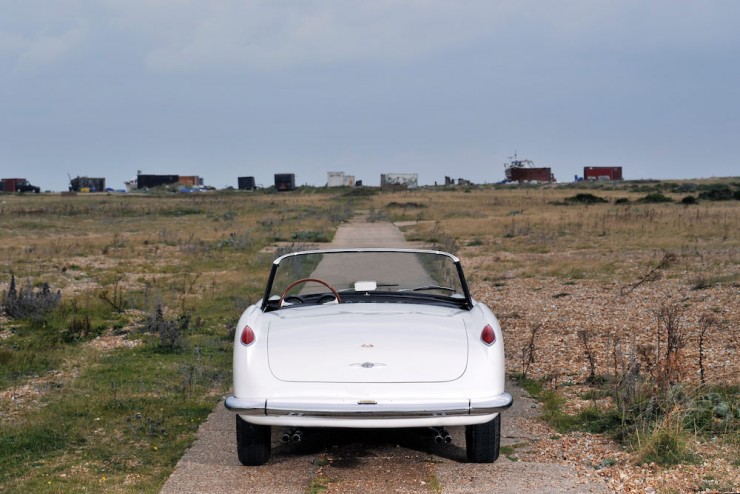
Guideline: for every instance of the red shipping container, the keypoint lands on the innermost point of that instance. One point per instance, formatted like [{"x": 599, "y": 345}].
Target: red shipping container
[
  {"x": 602, "y": 172},
  {"x": 531, "y": 175}
]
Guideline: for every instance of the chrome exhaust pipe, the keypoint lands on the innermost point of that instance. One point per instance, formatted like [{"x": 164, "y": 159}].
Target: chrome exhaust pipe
[
  {"x": 292, "y": 436},
  {"x": 441, "y": 436}
]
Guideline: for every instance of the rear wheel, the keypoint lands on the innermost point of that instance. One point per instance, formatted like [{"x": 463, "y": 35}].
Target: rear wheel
[
  {"x": 252, "y": 442},
  {"x": 483, "y": 441}
]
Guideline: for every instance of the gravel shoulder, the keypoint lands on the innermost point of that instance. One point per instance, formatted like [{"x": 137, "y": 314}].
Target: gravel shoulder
[{"x": 349, "y": 461}]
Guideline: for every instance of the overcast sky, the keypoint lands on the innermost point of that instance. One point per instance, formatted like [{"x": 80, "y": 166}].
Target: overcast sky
[{"x": 227, "y": 88}]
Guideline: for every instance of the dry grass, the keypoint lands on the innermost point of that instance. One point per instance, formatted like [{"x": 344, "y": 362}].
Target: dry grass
[
  {"x": 529, "y": 233},
  {"x": 596, "y": 282},
  {"x": 568, "y": 270}
]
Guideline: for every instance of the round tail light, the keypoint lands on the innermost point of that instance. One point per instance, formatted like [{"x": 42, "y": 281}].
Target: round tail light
[
  {"x": 247, "y": 337},
  {"x": 488, "y": 336}
]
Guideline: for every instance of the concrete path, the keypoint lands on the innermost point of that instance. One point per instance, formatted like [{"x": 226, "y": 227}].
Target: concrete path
[{"x": 349, "y": 461}]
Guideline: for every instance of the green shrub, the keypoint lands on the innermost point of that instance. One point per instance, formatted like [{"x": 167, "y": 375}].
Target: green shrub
[
  {"x": 585, "y": 198},
  {"x": 655, "y": 198},
  {"x": 718, "y": 192}
]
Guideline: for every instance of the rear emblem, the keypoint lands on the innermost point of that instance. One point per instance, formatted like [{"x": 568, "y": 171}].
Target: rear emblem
[
  {"x": 367, "y": 345},
  {"x": 367, "y": 365}
]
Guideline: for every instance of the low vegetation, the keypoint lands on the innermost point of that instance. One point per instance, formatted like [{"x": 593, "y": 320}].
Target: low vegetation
[
  {"x": 118, "y": 312},
  {"x": 604, "y": 308}
]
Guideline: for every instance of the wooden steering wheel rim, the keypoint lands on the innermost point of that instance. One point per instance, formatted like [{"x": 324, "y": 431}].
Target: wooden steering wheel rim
[{"x": 307, "y": 280}]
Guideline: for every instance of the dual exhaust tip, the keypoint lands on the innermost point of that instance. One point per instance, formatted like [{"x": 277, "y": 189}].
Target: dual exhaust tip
[
  {"x": 292, "y": 436},
  {"x": 441, "y": 436}
]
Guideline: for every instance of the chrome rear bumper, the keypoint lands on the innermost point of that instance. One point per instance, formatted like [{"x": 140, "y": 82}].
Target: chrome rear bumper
[{"x": 367, "y": 408}]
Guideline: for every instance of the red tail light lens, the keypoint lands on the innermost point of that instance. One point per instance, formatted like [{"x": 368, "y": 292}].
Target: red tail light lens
[
  {"x": 487, "y": 336},
  {"x": 247, "y": 337}
]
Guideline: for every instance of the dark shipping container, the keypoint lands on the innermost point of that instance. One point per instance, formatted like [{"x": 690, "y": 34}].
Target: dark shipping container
[
  {"x": 246, "y": 183},
  {"x": 149, "y": 181},
  {"x": 285, "y": 181}
]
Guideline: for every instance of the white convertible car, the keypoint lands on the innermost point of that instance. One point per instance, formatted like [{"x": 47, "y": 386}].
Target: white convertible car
[{"x": 368, "y": 338}]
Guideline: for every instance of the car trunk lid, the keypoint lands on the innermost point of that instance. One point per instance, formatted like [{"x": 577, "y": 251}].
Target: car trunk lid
[{"x": 368, "y": 346}]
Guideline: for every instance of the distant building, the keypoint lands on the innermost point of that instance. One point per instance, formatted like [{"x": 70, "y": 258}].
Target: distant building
[
  {"x": 460, "y": 181},
  {"x": 602, "y": 173},
  {"x": 246, "y": 183},
  {"x": 284, "y": 181},
  {"x": 399, "y": 181},
  {"x": 339, "y": 179},
  {"x": 151, "y": 181},
  {"x": 86, "y": 184}
]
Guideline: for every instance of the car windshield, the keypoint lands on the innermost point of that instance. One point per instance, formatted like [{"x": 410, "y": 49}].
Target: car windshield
[{"x": 373, "y": 275}]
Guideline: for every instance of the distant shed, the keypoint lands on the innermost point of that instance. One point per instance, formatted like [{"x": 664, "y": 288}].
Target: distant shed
[
  {"x": 398, "y": 181},
  {"x": 339, "y": 179},
  {"x": 284, "y": 181},
  {"x": 150, "y": 181},
  {"x": 602, "y": 173},
  {"x": 246, "y": 183},
  {"x": 87, "y": 184}
]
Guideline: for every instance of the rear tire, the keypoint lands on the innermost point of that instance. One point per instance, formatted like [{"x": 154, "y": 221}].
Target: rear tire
[
  {"x": 483, "y": 441},
  {"x": 252, "y": 442}
]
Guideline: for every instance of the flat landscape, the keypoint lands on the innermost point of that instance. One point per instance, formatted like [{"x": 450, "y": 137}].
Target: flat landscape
[{"x": 619, "y": 304}]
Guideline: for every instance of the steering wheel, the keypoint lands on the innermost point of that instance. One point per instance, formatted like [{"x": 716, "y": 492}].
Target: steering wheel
[{"x": 306, "y": 280}]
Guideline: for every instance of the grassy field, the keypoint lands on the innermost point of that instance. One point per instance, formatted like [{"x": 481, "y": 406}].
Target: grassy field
[{"x": 115, "y": 344}]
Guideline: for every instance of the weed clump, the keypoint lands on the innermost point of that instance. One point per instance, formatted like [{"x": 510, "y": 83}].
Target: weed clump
[
  {"x": 406, "y": 205},
  {"x": 310, "y": 236},
  {"x": 665, "y": 445},
  {"x": 29, "y": 303},
  {"x": 360, "y": 192},
  {"x": 585, "y": 198},
  {"x": 170, "y": 331}
]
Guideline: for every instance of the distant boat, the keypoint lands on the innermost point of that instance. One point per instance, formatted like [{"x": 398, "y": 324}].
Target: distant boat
[
  {"x": 515, "y": 163},
  {"x": 132, "y": 185}
]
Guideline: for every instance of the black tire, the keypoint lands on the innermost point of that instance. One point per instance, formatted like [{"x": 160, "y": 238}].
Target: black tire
[
  {"x": 483, "y": 441},
  {"x": 252, "y": 442}
]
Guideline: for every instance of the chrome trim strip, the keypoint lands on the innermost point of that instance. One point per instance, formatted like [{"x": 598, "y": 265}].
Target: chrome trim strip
[
  {"x": 245, "y": 407},
  {"x": 367, "y": 409},
  {"x": 367, "y": 249},
  {"x": 496, "y": 404}
]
